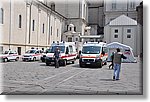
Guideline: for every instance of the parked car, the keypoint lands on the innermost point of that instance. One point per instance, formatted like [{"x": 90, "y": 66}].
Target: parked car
[
  {"x": 32, "y": 55},
  {"x": 9, "y": 55}
]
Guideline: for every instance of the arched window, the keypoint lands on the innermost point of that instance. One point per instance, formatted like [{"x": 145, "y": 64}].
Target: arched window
[
  {"x": 33, "y": 25},
  {"x": 20, "y": 19},
  {"x": 43, "y": 27},
  {"x": 53, "y": 6},
  {"x": 1, "y": 16}
]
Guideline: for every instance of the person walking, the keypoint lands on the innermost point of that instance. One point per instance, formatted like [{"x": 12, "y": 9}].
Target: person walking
[
  {"x": 117, "y": 63},
  {"x": 57, "y": 57},
  {"x": 112, "y": 62}
]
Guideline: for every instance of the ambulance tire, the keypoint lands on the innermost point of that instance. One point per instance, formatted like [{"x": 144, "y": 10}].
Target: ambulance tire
[{"x": 64, "y": 62}]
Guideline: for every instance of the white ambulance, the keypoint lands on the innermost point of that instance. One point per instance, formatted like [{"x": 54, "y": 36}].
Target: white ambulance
[
  {"x": 93, "y": 53},
  {"x": 67, "y": 53}
]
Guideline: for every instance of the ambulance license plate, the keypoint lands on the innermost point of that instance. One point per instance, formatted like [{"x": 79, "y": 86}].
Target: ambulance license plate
[{"x": 88, "y": 63}]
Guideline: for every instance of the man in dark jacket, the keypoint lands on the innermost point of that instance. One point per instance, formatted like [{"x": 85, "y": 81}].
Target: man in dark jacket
[
  {"x": 117, "y": 63},
  {"x": 57, "y": 57}
]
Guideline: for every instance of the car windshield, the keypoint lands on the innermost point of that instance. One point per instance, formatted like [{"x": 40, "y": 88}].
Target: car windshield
[
  {"x": 47, "y": 50},
  {"x": 62, "y": 49},
  {"x": 31, "y": 51},
  {"x": 6, "y": 52},
  {"x": 91, "y": 49}
]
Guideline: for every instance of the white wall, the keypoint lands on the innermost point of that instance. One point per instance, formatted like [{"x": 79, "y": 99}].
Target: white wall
[{"x": 122, "y": 36}]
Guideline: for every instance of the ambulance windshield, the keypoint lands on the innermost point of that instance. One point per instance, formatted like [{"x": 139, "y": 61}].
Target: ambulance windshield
[
  {"x": 31, "y": 51},
  {"x": 91, "y": 49},
  {"x": 61, "y": 48}
]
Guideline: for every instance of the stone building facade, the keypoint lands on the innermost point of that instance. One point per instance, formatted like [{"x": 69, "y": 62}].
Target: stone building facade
[{"x": 27, "y": 24}]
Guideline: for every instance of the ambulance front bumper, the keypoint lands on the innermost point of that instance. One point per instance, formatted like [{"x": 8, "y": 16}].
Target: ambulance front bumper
[{"x": 89, "y": 61}]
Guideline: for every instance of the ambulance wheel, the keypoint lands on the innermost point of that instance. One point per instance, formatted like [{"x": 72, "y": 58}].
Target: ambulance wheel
[{"x": 64, "y": 62}]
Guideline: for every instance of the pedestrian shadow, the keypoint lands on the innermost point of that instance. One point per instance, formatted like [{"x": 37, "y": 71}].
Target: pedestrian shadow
[{"x": 106, "y": 79}]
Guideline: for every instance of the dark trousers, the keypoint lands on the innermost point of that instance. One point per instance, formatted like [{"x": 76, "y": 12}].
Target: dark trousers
[{"x": 56, "y": 62}]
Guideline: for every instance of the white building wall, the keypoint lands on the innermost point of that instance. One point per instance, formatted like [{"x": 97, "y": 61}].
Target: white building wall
[
  {"x": 109, "y": 33},
  {"x": 130, "y": 41},
  {"x": 35, "y": 17},
  {"x": 6, "y": 22},
  {"x": 122, "y": 7},
  {"x": 112, "y": 34},
  {"x": 14, "y": 37},
  {"x": 93, "y": 18}
]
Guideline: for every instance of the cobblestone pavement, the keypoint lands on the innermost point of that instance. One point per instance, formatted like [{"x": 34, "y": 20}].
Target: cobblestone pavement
[{"x": 37, "y": 78}]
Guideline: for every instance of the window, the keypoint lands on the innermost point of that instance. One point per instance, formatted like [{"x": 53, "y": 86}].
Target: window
[
  {"x": 51, "y": 30},
  {"x": 114, "y": 4},
  {"x": 1, "y": 16},
  {"x": 116, "y": 30},
  {"x": 128, "y": 36},
  {"x": 33, "y": 25},
  {"x": 20, "y": 19},
  {"x": 57, "y": 32},
  {"x": 43, "y": 28},
  {"x": 67, "y": 27},
  {"x": 75, "y": 29},
  {"x": 71, "y": 49},
  {"x": 70, "y": 28},
  {"x": 70, "y": 39},
  {"x": 115, "y": 36},
  {"x": 132, "y": 4},
  {"x": 53, "y": 6},
  {"x": 105, "y": 49},
  {"x": 128, "y": 30},
  {"x": 76, "y": 39}
]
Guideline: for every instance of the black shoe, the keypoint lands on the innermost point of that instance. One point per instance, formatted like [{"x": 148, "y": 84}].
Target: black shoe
[{"x": 113, "y": 77}]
